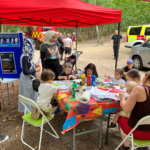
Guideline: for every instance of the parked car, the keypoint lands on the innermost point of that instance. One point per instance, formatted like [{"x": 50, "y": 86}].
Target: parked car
[
  {"x": 137, "y": 35},
  {"x": 141, "y": 54}
]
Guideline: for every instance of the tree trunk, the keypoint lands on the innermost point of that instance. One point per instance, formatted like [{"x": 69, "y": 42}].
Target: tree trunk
[
  {"x": 8, "y": 27},
  {"x": 98, "y": 41}
]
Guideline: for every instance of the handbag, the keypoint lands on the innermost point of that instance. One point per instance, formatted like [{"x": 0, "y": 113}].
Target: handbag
[{"x": 35, "y": 83}]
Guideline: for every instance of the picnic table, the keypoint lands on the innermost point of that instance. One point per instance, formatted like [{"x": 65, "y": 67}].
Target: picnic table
[{"x": 78, "y": 112}]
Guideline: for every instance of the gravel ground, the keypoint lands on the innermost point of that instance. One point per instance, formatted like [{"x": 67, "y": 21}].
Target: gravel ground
[{"x": 102, "y": 57}]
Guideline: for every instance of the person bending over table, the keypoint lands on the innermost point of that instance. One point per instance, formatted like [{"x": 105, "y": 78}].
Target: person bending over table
[
  {"x": 28, "y": 69},
  {"x": 133, "y": 75},
  {"x": 139, "y": 104},
  {"x": 90, "y": 69}
]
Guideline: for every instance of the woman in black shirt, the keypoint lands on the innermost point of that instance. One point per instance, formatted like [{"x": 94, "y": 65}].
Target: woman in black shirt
[{"x": 50, "y": 53}]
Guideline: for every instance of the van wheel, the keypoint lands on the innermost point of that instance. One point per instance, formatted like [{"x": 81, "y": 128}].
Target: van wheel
[{"x": 138, "y": 62}]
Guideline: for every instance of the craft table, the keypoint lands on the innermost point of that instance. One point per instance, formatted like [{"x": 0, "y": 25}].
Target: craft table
[
  {"x": 78, "y": 112},
  {"x": 7, "y": 81}
]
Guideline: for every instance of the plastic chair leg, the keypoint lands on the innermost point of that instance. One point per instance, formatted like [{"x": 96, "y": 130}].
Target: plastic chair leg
[{"x": 22, "y": 137}]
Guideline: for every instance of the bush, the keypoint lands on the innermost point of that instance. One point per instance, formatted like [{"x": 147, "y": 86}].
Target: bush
[{"x": 79, "y": 38}]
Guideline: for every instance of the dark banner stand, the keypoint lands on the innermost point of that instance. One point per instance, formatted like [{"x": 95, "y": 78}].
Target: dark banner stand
[{"x": 118, "y": 44}]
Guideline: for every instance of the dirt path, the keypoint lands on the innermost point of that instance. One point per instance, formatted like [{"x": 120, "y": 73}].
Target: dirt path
[{"x": 101, "y": 56}]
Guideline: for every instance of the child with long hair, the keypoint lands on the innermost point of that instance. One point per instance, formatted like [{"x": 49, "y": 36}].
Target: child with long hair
[
  {"x": 118, "y": 78},
  {"x": 90, "y": 69},
  {"x": 133, "y": 75}
]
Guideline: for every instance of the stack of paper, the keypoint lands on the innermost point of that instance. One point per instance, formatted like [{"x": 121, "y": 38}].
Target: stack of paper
[
  {"x": 100, "y": 95},
  {"x": 64, "y": 88}
]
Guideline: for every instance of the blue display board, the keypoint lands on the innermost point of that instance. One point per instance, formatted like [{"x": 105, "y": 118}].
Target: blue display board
[{"x": 10, "y": 53}]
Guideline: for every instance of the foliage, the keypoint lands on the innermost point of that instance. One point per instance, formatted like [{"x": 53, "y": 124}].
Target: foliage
[
  {"x": 79, "y": 38},
  {"x": 134, "y": 12}
]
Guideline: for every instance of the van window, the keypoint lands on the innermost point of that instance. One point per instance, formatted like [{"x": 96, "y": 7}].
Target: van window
[
  {"x": 147, "y": 31},
  {"x": 135, "y": 31}
]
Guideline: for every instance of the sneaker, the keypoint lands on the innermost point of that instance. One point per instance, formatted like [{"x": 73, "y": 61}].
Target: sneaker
[
  {"x": 123, "y": 148},
  {"x": 3, "y": 138},
  {"x": 112, "y": 125},
  {"x": 57, "y": 110}
]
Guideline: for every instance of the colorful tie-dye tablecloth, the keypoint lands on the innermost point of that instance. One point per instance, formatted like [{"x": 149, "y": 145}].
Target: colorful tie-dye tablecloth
[{"x": 78, "y": 112}]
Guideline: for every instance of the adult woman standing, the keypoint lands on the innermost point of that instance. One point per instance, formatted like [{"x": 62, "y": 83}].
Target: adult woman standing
[
  {"x": 50, "y": 54},
  {"x": 29, "y": 70},
  {"x": 138, "y": 103}
]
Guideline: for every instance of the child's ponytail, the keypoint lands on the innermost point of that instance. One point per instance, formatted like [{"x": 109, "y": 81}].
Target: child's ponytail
[{"x": 121, "y": 71}]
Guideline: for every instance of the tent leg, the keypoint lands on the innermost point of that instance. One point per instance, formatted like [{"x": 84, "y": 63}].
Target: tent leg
[
  {"x": 118, "y": 45},
  {"x": 0, "y": 27},
  {"x": 76, "y": 47}
]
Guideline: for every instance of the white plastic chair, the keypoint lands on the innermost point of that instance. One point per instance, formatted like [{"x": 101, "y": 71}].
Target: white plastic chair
[
  {"x": 139, "y": 143},
  {"x": 36, "y": 123}
]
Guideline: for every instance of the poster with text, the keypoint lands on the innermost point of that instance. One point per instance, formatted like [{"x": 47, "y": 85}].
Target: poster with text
[
  {"x": 9, "y": 40},
  {"x": 8, "y": 62}
]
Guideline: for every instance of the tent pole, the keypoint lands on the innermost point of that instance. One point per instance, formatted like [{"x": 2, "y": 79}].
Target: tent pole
[
  {"x": 118, "y": 45},
  {"x": 0, "y": 27},
  {"x": 76, "y": 45}
]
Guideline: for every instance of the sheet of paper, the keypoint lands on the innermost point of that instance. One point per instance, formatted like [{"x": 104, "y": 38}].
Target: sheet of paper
[
  {"x": 38, "y": 62},
  {"x": 118, "y": 88},
  {"x": 58, "y": 81},
  {"x": 77, "y": 80}
]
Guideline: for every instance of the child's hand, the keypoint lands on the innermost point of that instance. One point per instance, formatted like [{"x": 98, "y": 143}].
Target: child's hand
[
  {"x": 121, "y": 95},
  {"x": 49, "y": 51},
  {"x": 59, "y": 89},
  {"x": 105, "y": 76},
  {"x": 65, "y": 78},
  {"x": 74, "y": 77},
  {"x": 56, "y": 50},
  {"x": 121, "y": 86},
  {"x": 70, "y": 76}
]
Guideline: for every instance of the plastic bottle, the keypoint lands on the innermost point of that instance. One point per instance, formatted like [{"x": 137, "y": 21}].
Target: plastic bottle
[
  {"x": 74, "y": 89},
  {"x": 88, "y": 80},
  {"x": 83, "y": 79},
  {"x": 81, "y": 88},
  {"x": 93, "y": 80},
  {"x": 77, "y": 95}
]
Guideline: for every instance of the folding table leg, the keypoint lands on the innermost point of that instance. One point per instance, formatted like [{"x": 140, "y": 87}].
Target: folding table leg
[
  {"x": 74, "y": 140},
  {"x": 8, "y": 98},
  {"x": 107, "y": 128},
  {"x": 101, "y": 123},
  {"x": 13, "y": 87}
]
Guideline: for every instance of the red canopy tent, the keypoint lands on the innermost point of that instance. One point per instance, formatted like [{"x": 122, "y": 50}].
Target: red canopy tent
[{"x": 57, "y": 13}]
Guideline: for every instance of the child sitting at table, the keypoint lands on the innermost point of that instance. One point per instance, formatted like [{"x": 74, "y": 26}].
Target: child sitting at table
[
  {"x": 67, "y": 74},
  {"x": 46, "y": 91},
  {"x": 119, "y": 77},
  {"x": 130, "y": 85},
  {"x": 130, "y": 65},
  {"x": 90, "y": 69}
]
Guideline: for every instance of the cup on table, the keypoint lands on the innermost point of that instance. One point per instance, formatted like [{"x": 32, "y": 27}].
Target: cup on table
[{"x": 69, "y": 85}]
